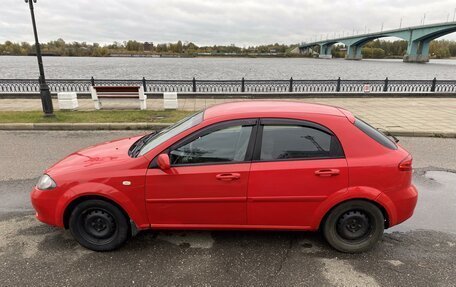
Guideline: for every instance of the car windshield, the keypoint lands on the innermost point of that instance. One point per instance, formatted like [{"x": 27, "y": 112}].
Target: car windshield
[{"x": 171, "y": 131}]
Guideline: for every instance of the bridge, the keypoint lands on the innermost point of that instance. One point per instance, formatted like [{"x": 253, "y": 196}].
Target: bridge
[{"x": 418, "y": 39}]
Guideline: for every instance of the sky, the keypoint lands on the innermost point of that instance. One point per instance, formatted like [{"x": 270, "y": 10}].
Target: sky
[{"x": 210, "y": 22}]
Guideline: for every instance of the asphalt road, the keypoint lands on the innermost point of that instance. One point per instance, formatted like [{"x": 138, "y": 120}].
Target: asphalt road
[{"x": 420, "y": 252}]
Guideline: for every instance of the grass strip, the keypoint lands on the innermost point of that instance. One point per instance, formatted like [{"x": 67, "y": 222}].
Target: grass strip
[{"x": 103, "y": 116}]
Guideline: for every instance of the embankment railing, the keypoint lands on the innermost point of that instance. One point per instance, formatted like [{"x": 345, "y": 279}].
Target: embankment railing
[{"x": 242, "y": 86}]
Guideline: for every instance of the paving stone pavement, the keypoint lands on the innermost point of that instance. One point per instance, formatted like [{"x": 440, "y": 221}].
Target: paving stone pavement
[{"x": 437, "y": 115}]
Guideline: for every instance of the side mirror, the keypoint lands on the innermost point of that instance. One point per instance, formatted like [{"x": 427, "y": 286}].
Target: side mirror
[{"x": 163, "y": 162}]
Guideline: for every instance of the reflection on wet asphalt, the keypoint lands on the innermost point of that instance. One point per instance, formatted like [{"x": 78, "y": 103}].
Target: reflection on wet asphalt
[
  {"x": 419, "y": 252},
  {"x": 436, "y": 207}
]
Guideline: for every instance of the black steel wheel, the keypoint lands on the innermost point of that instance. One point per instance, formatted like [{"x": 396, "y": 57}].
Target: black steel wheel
[
  {"x": 354, "y": 226},
  {"x": 99, "y": 225}
]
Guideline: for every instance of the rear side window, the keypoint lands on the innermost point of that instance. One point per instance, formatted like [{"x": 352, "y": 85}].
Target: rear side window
[
  {"x": 295, "y": 142},
  {"x": 375, "y": 134}
]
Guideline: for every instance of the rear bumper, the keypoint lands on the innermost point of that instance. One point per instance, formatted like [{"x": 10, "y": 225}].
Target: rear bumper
[
  {"x": 45, "y": 202},
  {"x": 402, "y": 204},
  {"x": 406, "y": 204}
]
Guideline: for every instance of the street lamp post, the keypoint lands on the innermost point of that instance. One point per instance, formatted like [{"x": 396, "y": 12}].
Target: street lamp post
[{"x": 46, "y": 100}]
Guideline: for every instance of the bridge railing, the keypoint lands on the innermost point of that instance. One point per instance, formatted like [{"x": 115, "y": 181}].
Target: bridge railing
[{"x": 242, "y": 86}]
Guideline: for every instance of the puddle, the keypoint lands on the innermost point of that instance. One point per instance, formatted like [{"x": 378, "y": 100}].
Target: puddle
[
  {"x": 436, "y": 207},
  {"x": 443, "y": 177},
  {"x": 190, "y": 239},
  {"x": 15, "y": 195},
  {"x": 308, "y": 247}
]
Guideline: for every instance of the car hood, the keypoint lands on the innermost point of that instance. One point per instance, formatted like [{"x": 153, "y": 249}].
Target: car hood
[{"x": 96, "y": 156}]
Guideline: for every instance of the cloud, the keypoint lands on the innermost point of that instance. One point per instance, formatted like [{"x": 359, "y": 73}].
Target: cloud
[{"x": 208, "y": 22}]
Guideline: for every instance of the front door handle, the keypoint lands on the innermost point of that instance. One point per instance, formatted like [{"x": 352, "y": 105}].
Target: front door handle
[
  {"x": 228, "y": 176},
  {"x": 327, "y": 172}
]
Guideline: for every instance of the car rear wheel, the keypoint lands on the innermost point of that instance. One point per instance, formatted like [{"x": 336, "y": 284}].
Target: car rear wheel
[
  {"x": 354, "y": 226},
  {"x": 99, "y": 225}
]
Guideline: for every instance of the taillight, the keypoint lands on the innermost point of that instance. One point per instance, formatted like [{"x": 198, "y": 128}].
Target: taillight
[{"x": 406, "y": 164}]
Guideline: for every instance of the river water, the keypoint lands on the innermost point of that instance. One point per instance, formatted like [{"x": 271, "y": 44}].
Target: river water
[{"x": 16, "y": 67}]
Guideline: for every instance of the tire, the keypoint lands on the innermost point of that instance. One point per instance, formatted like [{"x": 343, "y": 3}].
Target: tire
[
  {"x": 99, "y": 225},
  {"x": 354, "y": 226}
]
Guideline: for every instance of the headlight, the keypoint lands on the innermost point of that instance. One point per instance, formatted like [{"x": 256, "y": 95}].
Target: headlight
[{"x": 46, "y": 182}]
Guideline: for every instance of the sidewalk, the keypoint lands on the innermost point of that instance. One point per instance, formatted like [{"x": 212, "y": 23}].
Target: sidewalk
[{"x": 419, "y": 116}]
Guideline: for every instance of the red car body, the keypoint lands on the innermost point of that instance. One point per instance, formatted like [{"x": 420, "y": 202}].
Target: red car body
[{"x": 281, "y": 194}]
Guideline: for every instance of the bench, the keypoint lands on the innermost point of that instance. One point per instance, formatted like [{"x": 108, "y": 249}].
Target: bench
[{"x": 100, "y": 93}]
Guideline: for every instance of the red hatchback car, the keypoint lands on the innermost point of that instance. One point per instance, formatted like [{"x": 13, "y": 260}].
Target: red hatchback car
[{"x": 264, "y": 165}]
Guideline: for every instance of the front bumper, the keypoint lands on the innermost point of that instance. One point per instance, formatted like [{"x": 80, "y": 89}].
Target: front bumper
[{"x": 45, "y": 202}]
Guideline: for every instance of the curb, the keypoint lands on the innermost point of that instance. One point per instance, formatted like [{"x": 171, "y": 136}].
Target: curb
[
  {"x": 83, "y": 126},
  {"x": 431, "y": 134},
  {"x": 158, "y": 126}
]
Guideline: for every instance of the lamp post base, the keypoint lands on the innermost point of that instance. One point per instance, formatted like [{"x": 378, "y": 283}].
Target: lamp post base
[{"x": 46, "y": 100}]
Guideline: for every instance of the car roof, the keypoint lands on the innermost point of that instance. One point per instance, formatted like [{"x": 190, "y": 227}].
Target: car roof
[{"x": 250, "y": 108}]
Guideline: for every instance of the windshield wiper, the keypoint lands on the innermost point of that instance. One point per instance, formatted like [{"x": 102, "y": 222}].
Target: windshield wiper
[
  {"x": 137, "y": 146},
  {"x": 388, "y": 134}
]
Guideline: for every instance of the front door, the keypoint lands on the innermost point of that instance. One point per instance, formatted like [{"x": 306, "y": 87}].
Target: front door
[
  {"x": 296, "y": 166},
  {"x": 206, "y": 185}
]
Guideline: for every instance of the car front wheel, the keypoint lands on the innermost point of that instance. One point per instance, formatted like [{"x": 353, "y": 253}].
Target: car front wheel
[
  {"x": 99, "y": 225},
  {"x": 354, "y": 226}
]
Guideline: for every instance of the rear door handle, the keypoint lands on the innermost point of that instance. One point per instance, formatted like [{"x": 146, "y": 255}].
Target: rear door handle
[
  {"x": 228, "y": 176},
  {"x": 327, "y": 172}
]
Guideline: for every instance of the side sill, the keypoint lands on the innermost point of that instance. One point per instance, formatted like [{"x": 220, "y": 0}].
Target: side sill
[{"x": 228, "y": 227}]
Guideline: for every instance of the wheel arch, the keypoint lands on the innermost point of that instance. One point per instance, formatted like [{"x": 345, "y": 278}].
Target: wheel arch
[
  {"x": 79, "y": 193},
  {"x": 365, "y": 193},
  {"x": 377, "y": 204}
]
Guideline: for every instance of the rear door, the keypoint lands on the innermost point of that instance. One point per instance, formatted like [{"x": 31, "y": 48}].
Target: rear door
[
  {"x": 206, "y": 185},
  {"x": 296, "y": 166}
]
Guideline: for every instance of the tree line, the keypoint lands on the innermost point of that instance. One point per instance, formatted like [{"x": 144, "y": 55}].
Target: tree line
[
  {"x": 61, "y": 48},
  {"x": 374, "y": 49}
]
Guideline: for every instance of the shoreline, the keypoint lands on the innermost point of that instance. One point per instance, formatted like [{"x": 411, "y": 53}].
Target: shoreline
[
  {"x": 171, "y": 56},
  {"x": 167, "y": 56}
]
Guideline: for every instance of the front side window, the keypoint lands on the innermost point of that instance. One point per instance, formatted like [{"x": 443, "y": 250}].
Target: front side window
[
  {"x": 223, "y": 145},
  {"x": 295, "y": 141}
]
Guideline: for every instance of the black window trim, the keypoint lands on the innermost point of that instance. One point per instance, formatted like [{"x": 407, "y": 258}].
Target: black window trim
[
  {"x": 291, "y": 122},
  {"x": 212, "y": 128}
]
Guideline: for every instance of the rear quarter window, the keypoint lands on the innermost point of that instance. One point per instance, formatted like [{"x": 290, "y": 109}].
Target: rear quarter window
[{"x": 375, "y": 134}]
